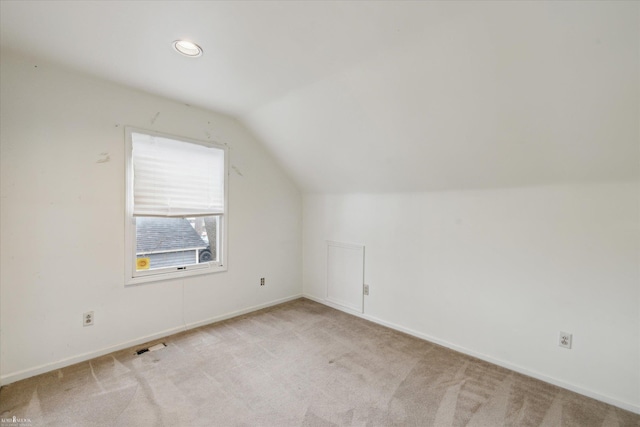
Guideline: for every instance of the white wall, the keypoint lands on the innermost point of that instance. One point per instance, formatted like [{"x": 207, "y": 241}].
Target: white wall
[
  {"x": 62, "y": 220},
  {"x": 498, "y": 273}
]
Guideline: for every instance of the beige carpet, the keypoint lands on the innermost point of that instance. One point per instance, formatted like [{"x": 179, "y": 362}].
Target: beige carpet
[{"x": 297, "y": 364}]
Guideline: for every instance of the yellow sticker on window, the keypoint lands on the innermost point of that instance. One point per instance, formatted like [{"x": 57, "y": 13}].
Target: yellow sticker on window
[{"x": 143, "y": 263}]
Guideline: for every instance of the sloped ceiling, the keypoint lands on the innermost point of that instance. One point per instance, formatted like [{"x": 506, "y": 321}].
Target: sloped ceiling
[{"x": 379, "y": 96}]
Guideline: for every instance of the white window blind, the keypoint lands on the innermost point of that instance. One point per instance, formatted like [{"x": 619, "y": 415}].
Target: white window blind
[{"x": 175, "y": 178}]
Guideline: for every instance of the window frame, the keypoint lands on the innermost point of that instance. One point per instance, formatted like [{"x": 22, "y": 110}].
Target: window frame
[{"x": 134, "y": 277}]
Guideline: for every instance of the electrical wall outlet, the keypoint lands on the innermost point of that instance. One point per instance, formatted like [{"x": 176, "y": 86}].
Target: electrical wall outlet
[
  {"x": 366, "y": 289},
  {"x": 87, "y": 318},
  {"x": 564, "y": 339},
  {"x": 262, "y": 281}
]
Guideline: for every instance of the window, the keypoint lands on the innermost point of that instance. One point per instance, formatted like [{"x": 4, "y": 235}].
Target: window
[{"x": 176, "y": 206}]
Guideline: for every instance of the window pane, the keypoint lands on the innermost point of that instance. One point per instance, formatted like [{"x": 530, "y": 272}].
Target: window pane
[{"x": 175, "y": 242}]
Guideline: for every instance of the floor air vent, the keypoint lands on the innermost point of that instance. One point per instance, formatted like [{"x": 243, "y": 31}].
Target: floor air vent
[{"x": 152, "y": 348}]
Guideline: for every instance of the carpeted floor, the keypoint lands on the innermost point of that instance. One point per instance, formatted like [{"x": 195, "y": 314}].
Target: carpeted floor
[{"x": 297, "y": 364}]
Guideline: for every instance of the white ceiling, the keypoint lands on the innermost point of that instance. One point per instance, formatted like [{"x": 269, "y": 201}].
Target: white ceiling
[{"x": 379, "y": 96}]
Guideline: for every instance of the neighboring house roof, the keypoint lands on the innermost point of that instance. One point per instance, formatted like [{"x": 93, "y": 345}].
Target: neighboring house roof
[{"x": 166, "y": 234}]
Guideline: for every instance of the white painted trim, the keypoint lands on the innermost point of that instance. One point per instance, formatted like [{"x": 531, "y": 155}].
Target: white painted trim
[
  {"x": 26, "y": 373},
  {"x": 169, "y": 273},
  {"x": 170, "y": 251},
  {"x": 537, "y": 375},
  {"x": 344, "y": 245}
]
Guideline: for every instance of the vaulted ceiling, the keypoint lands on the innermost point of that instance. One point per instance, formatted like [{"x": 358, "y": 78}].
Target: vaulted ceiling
[{"x": 379, "y": 96}]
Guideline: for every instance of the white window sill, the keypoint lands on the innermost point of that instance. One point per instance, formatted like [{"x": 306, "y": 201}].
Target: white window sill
[{"x": 168, "y": 275}]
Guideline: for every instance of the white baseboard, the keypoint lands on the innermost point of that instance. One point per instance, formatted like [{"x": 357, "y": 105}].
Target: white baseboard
[
  {"x": 603, "y": 398},
  {"x": 26, "y": 373}
]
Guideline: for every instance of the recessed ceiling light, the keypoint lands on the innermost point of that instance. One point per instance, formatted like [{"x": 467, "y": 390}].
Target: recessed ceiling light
[{"x": 187, "y": 48}]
